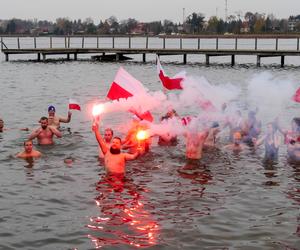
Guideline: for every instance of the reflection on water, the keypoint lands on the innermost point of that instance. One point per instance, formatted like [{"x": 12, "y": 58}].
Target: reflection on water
[{"x": 123, "y": 217}]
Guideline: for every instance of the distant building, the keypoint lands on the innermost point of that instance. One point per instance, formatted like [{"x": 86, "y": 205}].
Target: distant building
[
  {"x": 139, "y": 29},
  {"x": 245, "y": 27},
  {"x": 293, "y": 23}
]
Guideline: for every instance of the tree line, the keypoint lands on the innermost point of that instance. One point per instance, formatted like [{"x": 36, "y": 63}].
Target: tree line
[{"x": 195, "y": 23}]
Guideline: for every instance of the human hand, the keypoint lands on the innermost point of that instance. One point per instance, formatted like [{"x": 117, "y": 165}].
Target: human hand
[
  {"x": 69, "y": 113},
  {"x": 95, "y": 126}
]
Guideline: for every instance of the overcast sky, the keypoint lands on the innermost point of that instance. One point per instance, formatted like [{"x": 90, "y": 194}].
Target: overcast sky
[{"x": 142, "y": 10}]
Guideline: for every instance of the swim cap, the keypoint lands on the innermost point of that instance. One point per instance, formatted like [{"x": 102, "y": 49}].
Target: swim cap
[{"x": 51, "y": 108}]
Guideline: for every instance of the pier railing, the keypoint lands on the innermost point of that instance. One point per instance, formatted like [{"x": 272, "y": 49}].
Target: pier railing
[{"x": 210, "y": 45}]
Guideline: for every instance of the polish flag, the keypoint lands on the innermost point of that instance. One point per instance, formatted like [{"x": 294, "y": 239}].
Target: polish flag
[
  {"x": 74, "y": 104},
  {"x": 124, "y": 86},
  {"x": 169, "y": 83},
  {"x": 296, "y": 97}
]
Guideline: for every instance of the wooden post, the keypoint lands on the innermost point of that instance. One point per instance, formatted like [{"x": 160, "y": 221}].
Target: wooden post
[
  {"x": 113, "y": 42},
  {"x": 50, "y": 42},
  {"x": 1, "y": 43},
  {"x": 97, "y": 42},
  {"x": 207, "y": 59},
  {"x": 75, "y": 56},
  {"x": 18, "y": 42},
  {"x": 34, "y": 42},
  {"x": 147, "y": 42},
  {"x": 68, "y": 56},
  {"x": 236, "y": 43},
  {"x": 180, "y": 43},
  {"x": 198, "y": 43},
  {"x": 184, "y": 58},
  {"x": 39, "y": 56},
  {"x": 164, "y": 42},
  {"x": 217, "y": 43},
  {"x": 258, "y": 61},
  {"x": 65, "y": 42},
  {"x": 144, "y": 57},
  {"x": 129, "y": 42},
  {"x": 282, "y": 62},
  {"x": 276, "y": 45},
  {"x": 6, "y": 57},
  {"x": 69, "y": 38},
  {"x": 232, "y": 60},
  {"x": 82, "y": 42},
  {"x": 255, "y": 46},
  {"x": 298, "y": 43}
]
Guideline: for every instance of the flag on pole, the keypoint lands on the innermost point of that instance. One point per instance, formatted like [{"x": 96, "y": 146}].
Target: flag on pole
[
  {"x": 296, "y": 96},
  {"x": 124, "y": 86},
  {"x": 168, "y": 83},
  {"x": 74, "y": 104}
]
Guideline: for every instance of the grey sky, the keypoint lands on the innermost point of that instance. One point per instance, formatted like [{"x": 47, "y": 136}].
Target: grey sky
[{"x": 141, "y": 10}]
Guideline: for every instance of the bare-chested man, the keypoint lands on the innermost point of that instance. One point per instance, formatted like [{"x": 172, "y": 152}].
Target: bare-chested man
[
  {"x": 28, "y": 152},
  {"x": 45, "y": 133},
  {"x": 54, "y": 120},
  {"x": 194, "y": 144},
  {"x": 114, "y": 159}
]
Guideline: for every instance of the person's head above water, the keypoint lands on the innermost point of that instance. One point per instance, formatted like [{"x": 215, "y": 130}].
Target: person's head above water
[
  {"x": 237, "y": 137},
  {"x": 1, "y": 124},
  {"x": 51, "y": 110}
]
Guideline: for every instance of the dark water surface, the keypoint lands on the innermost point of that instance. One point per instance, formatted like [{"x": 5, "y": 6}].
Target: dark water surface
[{"x": 229, "y": 201}]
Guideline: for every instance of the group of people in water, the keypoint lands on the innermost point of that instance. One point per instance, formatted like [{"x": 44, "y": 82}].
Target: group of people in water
[{"x": 243, "y": 133}]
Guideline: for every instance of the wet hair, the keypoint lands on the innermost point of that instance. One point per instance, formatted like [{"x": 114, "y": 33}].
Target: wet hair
[
  {"x": 109, "y": 129},
  {"x": 44, "y": 118},
  {"x": 26, "y": 141},
  {"x": 118, "y": 138}
]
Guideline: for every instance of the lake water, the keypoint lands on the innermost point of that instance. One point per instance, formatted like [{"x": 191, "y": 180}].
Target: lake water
[{"x": 230, "y": 201}]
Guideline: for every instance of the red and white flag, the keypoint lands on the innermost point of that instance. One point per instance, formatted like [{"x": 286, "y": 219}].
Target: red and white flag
[
  {"x": 296, "y": 96},
  {"x": 74, "y": 104},
  {"x": 125, "y": 86},
  {"x": 169, "y": 83}
]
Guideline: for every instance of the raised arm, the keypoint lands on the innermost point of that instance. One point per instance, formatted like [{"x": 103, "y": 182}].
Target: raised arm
[
  {"x": 133, "y": 156},
  {"x": 35, "y": 133},
  {"x": 66, "y": 119},
  {"x": 99, "y": 138}
]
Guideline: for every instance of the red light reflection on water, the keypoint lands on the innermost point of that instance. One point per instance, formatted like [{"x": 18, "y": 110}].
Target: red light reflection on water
[{"x": 123, "y": 219}]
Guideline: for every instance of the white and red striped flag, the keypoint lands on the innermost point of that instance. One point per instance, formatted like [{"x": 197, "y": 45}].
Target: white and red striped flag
[
  {"x": 74, "y": 104},
  {"x": 168, "y": 83},
  {"x": 125, "y": 86}
]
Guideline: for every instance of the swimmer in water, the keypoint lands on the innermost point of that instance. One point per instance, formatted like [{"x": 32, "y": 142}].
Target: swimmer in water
[
  {"x": 194, "y": 144},
  {"x": 271, "y": 141},
  {"x": 108, "y": 136},
  {"x": 45, "y": 133},
  {"x": 28, "y": 152},
  {"x": 167, "y": 139},
  {"x": 252, "y": 128},
  {"x": 2, "y": 128},
  {"x": 54, "y": 120},
  {"x": 211, "y": 139},
  {"x": 237, "y": 144},
  {"x": 114, "y": 159}
]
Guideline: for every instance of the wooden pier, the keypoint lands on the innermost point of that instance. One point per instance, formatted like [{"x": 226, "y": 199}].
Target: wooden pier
[{"x": 210, "y": 46}]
